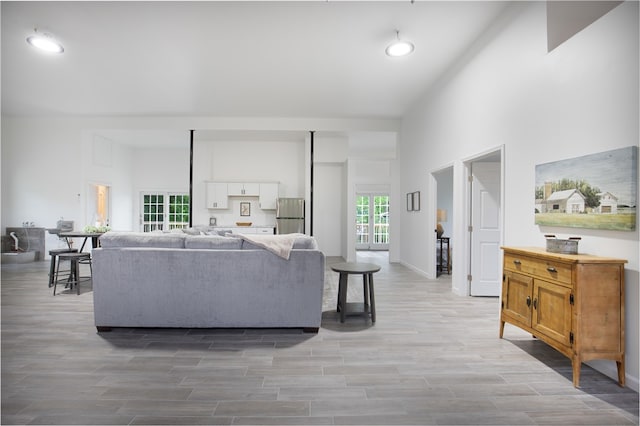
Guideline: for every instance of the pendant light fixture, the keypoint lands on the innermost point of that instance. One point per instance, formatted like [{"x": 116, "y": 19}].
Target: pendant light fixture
[
  {"x": 45, "y": 41},
  {"x": 399, "y": 47}
]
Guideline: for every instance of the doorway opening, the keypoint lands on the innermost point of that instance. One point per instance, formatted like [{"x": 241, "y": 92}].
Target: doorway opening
[
  {"x": 444, "y": 220},
  {"x": 98, "y": 205},
  {"x": 372, "y": 221}
]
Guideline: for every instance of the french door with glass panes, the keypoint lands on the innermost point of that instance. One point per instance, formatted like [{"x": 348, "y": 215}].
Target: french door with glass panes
[
  {"x": 372, "y": 221},
  {"x": 163, "y": 211}
]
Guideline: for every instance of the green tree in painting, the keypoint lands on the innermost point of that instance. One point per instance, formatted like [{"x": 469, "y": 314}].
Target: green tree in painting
[{"x": 589, "y": 192}]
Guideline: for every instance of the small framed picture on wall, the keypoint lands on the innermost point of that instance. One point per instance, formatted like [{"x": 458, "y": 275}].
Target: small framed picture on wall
[
  {"x": 409, "y": 201},
  {"x": 245, "y": 209},
  {"x": 416, "y": 200}
]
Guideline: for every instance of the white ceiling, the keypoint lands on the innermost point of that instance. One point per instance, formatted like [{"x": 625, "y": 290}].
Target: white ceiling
[{"x": 232, "y": 59}]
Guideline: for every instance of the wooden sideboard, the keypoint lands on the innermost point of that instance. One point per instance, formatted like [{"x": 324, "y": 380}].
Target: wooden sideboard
[{"x": 574, "y": 303}]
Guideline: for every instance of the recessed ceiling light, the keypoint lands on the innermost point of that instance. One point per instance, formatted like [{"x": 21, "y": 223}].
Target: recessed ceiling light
[
  {"x": 399, "y": 47},
  {"x": 45, "y": 41}
]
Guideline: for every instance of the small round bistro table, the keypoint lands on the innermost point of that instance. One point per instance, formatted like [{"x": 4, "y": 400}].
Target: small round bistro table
[{"x": 366, "y": 270}]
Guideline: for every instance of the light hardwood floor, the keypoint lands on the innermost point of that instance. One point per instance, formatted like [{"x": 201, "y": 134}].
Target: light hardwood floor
[{"x": 431, "y": 358}]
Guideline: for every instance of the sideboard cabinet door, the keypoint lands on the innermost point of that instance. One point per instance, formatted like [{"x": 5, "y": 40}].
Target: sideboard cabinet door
[
  {"x": 552, "y": 311},
  {"x": 516, "y": 298}
]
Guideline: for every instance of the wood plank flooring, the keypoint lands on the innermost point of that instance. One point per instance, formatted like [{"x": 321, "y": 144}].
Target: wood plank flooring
[{"x": 432, "y": 358}]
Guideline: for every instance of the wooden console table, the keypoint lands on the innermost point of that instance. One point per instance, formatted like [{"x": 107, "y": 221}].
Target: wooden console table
[{"x": 574, "y": 303}]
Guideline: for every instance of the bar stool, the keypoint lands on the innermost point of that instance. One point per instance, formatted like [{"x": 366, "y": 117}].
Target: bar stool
[
  {"x": 73, "y": 276},
  {"x": 54, "y": 255}
]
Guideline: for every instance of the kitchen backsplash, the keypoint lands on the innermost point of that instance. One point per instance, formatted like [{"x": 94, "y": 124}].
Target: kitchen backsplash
[{"x": 230, "y": 216}]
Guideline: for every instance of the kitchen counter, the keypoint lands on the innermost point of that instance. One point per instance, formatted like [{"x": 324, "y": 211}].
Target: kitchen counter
[{"x": 253, "y": 229}]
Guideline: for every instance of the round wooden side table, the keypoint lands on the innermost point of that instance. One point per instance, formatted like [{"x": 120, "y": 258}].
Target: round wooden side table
[{"x": 366, "y": 270}]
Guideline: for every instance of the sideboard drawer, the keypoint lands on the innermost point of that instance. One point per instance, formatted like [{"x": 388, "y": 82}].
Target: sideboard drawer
[{"x": 541, "y": 268}]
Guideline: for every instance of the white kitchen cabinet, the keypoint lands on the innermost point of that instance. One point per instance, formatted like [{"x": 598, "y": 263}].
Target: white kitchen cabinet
[
  {"x": 243, "y": 189},
  {"x": 268, "y": 196},
  {"x": 217, "y": 196},
  {"x": 218, "y": 193}
]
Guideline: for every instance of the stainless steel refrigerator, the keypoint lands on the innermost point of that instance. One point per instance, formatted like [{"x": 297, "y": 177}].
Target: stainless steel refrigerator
[{"x": 290, "y": 215}]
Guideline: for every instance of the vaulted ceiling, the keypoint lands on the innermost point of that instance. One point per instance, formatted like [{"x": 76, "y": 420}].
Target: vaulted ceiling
[{"x": 232, "y": 59}]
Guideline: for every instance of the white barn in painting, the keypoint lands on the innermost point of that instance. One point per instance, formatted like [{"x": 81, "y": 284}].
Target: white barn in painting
[
  {"x": 567, "y": 201},
  {"x": 608, "y": 203}
]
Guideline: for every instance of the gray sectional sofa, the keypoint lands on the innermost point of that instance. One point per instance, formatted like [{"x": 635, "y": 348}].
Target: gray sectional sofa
[{"x": 204, "y": 281}]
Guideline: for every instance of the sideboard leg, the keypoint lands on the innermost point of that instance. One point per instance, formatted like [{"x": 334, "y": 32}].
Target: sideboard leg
[
  {"x": 621, "y": 377},
  {"x": 576, "y": 363},
  {"x": 501, "y": 328}
]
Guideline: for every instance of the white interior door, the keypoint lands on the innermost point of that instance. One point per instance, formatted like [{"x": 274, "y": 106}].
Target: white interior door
[{"x": 485, "y": 229}]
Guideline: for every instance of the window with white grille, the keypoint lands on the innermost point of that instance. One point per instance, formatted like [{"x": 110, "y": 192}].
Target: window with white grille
[{"x": 162, "y": 211}]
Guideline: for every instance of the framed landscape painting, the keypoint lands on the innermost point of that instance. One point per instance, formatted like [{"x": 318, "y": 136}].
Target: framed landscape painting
[{"x": 597, "y": 191}]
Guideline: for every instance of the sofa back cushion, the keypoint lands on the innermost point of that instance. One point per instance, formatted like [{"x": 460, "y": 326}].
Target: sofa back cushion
[
  {"x": 142, "y": 239},
  {"x": 215, "y": 242}
]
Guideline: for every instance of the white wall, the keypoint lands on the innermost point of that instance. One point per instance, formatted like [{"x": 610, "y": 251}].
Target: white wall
[
  {"x": 345, "y": 165},
  {"x": 41, "y": 172},
  {"x": 60, "y": 166},
  {"x": 68, "y": 155},
  {"x": 47, "y": 164},
  {"x": 328, "y": 209},
  {"x": 160, "y": 169},
  {"x": 246, "y": 161},
  {"x": 111, "y": 164},
  {"x": 255, "y": 161},
  {"x": 330, "y": 154},
  {"x": 579, "y": 99}
]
